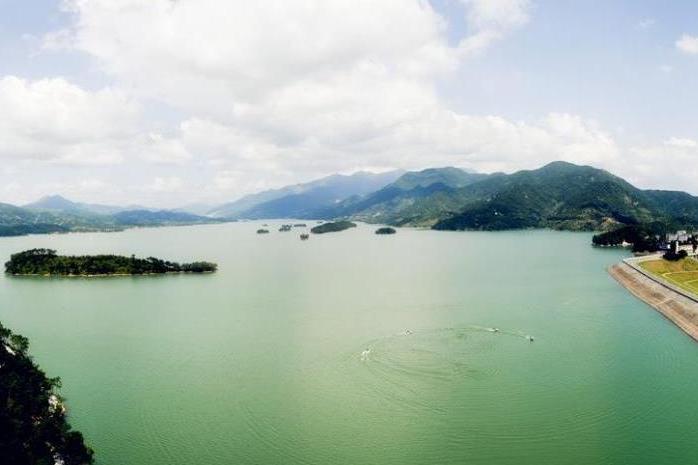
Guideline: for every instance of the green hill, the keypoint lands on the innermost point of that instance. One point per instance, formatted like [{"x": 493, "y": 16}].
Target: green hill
[
  {"x": 565, "y": 196},
  {"x": 416, "y": 198}
]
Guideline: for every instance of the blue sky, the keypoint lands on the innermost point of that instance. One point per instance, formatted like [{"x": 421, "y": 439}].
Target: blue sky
[{"x": 165, "y": 103}]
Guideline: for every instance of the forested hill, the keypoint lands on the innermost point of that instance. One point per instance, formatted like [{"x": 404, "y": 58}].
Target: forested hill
[
  {"x": 559, "y": 195},
  {"x": 565, "y": 196},
  {"x": 417, "y": 198},
  {"x": 33, "y": 425}
]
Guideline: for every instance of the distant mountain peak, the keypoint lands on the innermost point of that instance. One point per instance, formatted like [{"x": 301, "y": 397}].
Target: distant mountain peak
[
  {"x": 305, "y": 200},
  {"x": 58, "y": 203},
  {"x": 53, "y": 202},
  {"x": 54, "y": 197}
]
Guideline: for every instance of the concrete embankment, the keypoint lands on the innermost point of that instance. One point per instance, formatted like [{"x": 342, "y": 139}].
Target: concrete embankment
[{"x": 680, "y": 309}]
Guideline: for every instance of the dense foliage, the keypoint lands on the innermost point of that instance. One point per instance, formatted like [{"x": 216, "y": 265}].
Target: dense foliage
[
  {"x": 332, "y": 227},
  {"x": 33, "y": 426},
  {"x": 643, "y": 237},
  {"x": 47, "y": 262},
  {"x": 386, "y": 230},
  {"x": 675, "y": 256},
  {"x": 566, "y": 196}
]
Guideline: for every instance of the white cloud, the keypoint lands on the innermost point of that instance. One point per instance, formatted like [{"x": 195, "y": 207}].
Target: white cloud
[
  {"x": 681, "y": 142},
  {"x": 281, "y": 92},
  {"x": 688, "y": 44},
  {"x": 52, "y": 119},
  {"x": 209, "y": 55},
  {"x": 673, "y": 162},
  {"x": 165, "y": 184},
  {"x": 273, "y": 93},
  {"x": 160, "y": 149},
  {"x": 492, "y": 20}
]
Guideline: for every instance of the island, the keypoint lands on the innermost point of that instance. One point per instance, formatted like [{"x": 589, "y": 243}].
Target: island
[
  {"x": 262, "y": 231},
  {"x": 386, "y": 230},
  {"x": 33, "y": 424},
  {"x": 332, "y": 227},
  {"x": 46, "y": 262}
]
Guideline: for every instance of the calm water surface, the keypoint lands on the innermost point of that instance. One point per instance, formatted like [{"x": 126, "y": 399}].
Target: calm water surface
[{"x": 352, "y": 348}]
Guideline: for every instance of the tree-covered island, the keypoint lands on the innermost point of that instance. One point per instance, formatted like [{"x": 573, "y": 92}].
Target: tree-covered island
[
  {"x": 47, "y": 262},
  {"x": 332, "y": 227},
  {"x": 33, "y": 425}
]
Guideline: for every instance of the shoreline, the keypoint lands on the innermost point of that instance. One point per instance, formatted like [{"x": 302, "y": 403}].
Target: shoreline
[{"x": 674, "y": 306}]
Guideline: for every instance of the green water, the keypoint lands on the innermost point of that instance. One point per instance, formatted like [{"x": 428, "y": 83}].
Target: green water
[{"x": 262, "y": 362}]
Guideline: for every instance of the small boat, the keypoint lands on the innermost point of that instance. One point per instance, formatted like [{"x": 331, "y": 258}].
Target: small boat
[
  {"x": 305, "y": 237},
  {"x": 530, "y": 338}
]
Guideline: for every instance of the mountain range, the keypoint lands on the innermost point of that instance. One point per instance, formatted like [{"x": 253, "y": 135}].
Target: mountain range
[
  {"x": 559, "y": 195},
  {"x": 305, "y": 200},
  {"x": 57, "y": 214},
  {"x": 57, "y": 203}
]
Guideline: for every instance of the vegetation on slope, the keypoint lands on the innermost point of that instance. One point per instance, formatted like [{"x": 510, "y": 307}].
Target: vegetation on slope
[
  {"x": 643, "y": 237},
  {"x": 33, "y": 425},
  {"x": 417, "y": 198},
  {"x": 565, "y": 196},
  {"x": 332, "y": 227},
  {"x": 47, "y": 262}
]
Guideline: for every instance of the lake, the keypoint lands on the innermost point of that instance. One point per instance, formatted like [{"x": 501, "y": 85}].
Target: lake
[{"x": 352, "y": 348}]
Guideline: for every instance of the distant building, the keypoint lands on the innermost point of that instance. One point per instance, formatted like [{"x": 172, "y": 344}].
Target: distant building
[
  {"x": 681, "y": 236},
  {"x": 676, "y": 247}
]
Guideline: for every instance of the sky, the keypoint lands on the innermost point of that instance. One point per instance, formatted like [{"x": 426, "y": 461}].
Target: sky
[{"x": 167, "y": 103}]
